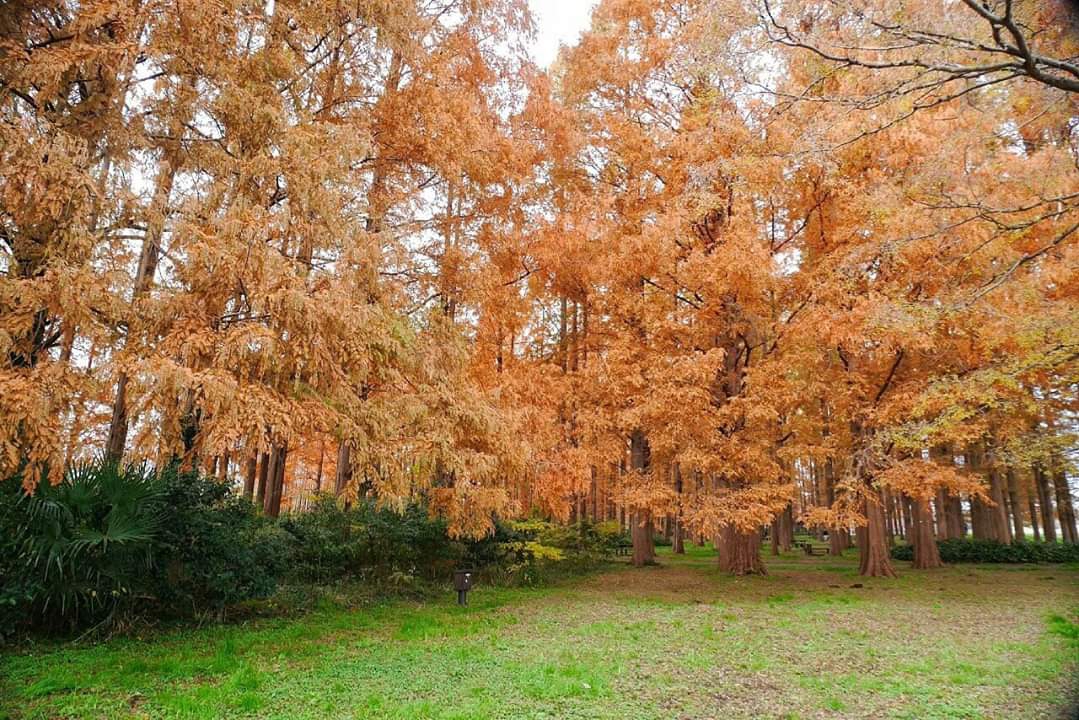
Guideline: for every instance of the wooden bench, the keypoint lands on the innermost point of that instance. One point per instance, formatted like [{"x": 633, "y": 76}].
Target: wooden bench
[
  {"x": 623, "y": 548},
  {"x": 811, "y": 550}
]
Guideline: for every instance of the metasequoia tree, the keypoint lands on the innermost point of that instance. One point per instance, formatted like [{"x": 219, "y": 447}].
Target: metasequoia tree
[
  {"x": 274, "y": 193},
  {"x": 715, "y": 271},
  {"x": 684, "y": 299},
  {"x": 64, "y": 78}
]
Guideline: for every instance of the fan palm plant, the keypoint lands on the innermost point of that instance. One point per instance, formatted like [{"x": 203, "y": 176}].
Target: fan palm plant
[{"x": 89, "y": 539}]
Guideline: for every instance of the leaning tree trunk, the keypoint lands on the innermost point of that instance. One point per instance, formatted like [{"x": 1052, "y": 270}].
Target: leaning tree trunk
[
  {"x": 926, "y": 552},
  {"x": 873, "y": 540},
  {"x": 741, "y": 552}
]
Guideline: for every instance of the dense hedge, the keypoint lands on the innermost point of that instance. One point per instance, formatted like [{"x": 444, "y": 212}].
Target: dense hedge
[
  {"x": 969, "y": 550},
  {"x": 110, "y": 542}
]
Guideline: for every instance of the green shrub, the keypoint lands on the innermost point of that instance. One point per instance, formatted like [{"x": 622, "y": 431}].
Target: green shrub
[
  {"x": 533, "y": 551},
  {"x": 970, "y": 550},
  {"x": 79, "y": 550},
  {"x": 213, "y": 549},
  {"x": 332, "y": 541},
  {"x": 109, "y": 540}
]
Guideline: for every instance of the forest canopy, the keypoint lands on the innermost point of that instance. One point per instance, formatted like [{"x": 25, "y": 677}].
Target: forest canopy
[{"x": 726, "y": 265}]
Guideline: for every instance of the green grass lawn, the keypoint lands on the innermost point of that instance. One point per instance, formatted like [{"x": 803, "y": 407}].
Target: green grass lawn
[{"x": 811, "y": 640}]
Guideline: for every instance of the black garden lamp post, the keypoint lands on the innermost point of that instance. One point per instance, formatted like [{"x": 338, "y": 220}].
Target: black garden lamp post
[{"x": 462, "y": 583}]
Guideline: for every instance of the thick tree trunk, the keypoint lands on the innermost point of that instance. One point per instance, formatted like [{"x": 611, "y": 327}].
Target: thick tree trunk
[
  {"x": 926, "y": 552},
  {"x": 343, "y": 477},
  {"x": 1065, "y": 507},
  {"x": 740, "y": 552},
  {"x": 643, "y": 536},
  {"x": 873, "y": 542},
  {"x": 263, "y": 479},
  {"x": 276, "y": 482},
  {"x": 1045, "y": 502},
  {"x": 954, "y": 516},
  {"x": 642, "y": 533},
  {"x": 939, "y": 504},
  {"x": 249, "y": 476}
]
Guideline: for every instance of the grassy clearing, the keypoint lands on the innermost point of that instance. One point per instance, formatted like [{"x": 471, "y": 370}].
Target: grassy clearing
[{"x": 811, "y": 640}]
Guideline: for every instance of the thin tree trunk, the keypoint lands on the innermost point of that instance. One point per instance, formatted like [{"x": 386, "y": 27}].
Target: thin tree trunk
[
  {"x": 1000, "y": 529},
  {"x": 321, "y": 464},
  {"x": 679, "y": 545},
  {"x": 1033, "y": 514},
  {"x": 1015, "y": 501},
  {"x": 144, "y": 279}
]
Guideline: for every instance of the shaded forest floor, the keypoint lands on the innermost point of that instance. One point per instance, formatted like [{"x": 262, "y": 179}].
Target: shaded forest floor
[{"x": 811, "y": 640}]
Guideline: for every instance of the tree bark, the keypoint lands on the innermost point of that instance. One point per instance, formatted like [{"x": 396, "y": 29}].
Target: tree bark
[
  {"x": 249, "y": 476},
  {"x": 1015, "y": 501},
  {"x": 741, "y": 554},
  {"x": 926, "y": 552},
  {"x": 263, "y": 477},
  {"x": 1000, "y": 530},
  {"x": 343, "y": 476},
  {"x": 1033, "y": 515},
  {"x": 144, "y": 280},
  {"x": 679, "y": 544},
  {"x": 642, "y": 534},
  {"x": 1045, "y": 502},
  {"x": 276, "y": 482},
  {"x": 786, "y": 535},
  {"x": 1065, "y": 507},
  {"x": 873, "y": 543}
]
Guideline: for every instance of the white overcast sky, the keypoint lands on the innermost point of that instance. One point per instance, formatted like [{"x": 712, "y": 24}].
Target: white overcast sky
[{"x": 558, "y": 21}]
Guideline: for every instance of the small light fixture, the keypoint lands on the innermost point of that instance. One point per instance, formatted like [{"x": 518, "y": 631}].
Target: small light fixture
[{"x": 462, "y": 583}]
